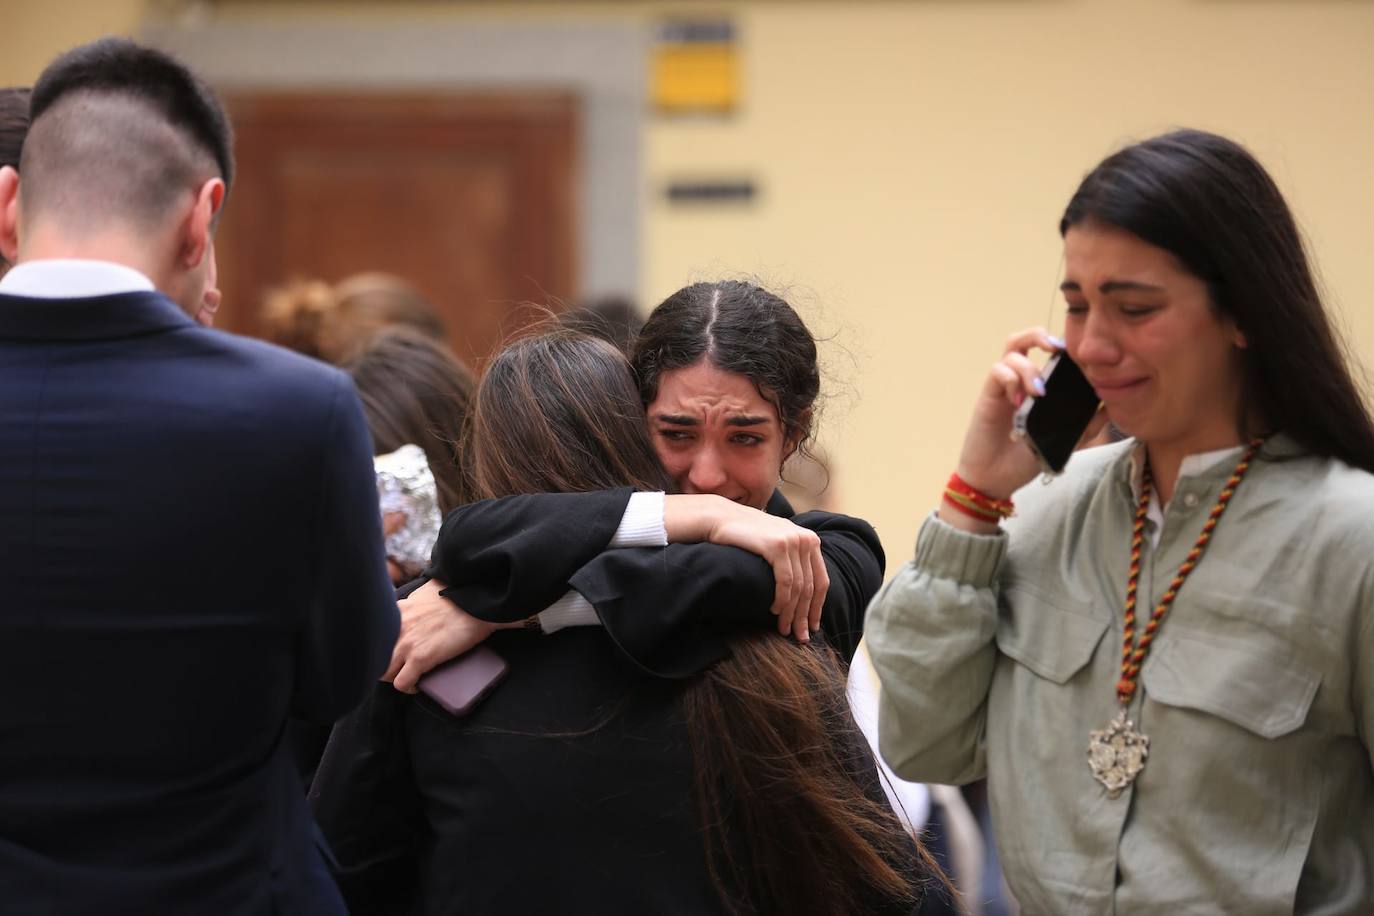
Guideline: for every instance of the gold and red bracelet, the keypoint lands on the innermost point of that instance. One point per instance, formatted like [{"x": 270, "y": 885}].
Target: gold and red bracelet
[{"x": 974, "y": 502}]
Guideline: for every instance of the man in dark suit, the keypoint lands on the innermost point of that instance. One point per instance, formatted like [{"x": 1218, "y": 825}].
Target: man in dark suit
[{"x": 190, "y": 546}]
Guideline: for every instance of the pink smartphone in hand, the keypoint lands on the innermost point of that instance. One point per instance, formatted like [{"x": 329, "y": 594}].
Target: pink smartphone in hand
[{"x": 460, "y": 684}]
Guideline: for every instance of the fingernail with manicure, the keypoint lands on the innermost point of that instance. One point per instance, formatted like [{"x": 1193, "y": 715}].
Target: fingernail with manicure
[
  {"x": 1057, "y": 342},
  {"x": 1039, "y": 386}
]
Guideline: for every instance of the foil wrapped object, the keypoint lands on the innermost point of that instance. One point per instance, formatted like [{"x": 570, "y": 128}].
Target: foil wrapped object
[{"x": 405, "y": 485}]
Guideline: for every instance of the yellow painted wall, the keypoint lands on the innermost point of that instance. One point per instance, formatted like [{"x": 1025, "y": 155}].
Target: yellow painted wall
[
  {"x": 33, "y": 31},
  {"x": 914, "y": 157}
]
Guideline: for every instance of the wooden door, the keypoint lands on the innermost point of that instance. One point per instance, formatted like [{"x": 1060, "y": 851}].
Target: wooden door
[{"x": 469, "y": 198}]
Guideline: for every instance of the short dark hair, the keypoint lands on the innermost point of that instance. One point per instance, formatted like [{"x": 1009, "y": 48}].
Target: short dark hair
[
  {"x": 1207, "y": 201},
  {"x": 124, "y": 67},
  {"x": 14, "y": 123},
  {"x": 738, "y": 327}
]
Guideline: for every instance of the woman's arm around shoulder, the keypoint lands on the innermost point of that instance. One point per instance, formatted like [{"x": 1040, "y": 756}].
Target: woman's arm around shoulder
[{"x": 505, "y": 559}]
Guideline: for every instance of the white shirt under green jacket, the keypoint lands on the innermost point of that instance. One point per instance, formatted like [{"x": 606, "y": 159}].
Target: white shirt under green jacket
[{"x": 999, "y": 654}]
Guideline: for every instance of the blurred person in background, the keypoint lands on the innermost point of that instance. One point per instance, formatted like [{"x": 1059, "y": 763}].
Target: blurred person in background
[
  {"x": 414, "y": 391},
  {"x": 191, "y": 550},
  {"x": 614, "y": 319},
  {"x": 1164, "y": 662},
  {"x": 746, "y": 788},
  {"x": 14, "y": 125},
  {"x": 414, "y": 394},
  {"x": 332, "y": 322}
]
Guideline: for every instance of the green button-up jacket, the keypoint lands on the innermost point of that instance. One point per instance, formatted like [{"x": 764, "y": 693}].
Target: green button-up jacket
[{"x": 999, "y": 654}]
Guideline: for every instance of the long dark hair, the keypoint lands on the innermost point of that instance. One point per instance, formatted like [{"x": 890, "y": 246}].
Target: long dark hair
[
  {"x": 413, "y": 390},
  {"x": 558, "y": 412},
  {"x": 778, "y": 760},
  {"x": 1207, "y": 201},
  {"x": 738, "y": 327},
  {"x": 780, "y": 768}
]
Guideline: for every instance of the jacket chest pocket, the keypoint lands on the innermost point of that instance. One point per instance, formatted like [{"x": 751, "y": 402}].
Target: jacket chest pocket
[
  {"x": 1046, "y": 668},
  {"x": 1052, "y": 642},
  {"x": 1262, "y": 695},
  {"x": 1226, "y": 724}
]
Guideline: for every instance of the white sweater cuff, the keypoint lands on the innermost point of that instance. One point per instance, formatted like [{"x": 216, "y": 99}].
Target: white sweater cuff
[
  {"x": 642, "y": 523},
  {"x": 572, "y": 610}
]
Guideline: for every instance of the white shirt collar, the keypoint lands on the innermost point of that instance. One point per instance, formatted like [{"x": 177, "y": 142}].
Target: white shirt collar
[
  {"x": 72, "y": 278},
  {"x": 1190, "y": 466}
]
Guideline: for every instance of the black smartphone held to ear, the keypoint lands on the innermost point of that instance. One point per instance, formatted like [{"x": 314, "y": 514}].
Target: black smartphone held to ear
[{"x": 1052, "y": 424}]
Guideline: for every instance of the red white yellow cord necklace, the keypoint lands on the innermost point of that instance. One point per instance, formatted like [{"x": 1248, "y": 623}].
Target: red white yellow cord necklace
[{"x": 1117, "y": 753}]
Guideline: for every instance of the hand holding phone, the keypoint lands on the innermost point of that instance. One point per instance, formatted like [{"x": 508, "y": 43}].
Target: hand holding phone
[
  {"x": 989, "y": 460},
  {"x": 459, "y": 685},
  {"x": 1053, "y": 424}
]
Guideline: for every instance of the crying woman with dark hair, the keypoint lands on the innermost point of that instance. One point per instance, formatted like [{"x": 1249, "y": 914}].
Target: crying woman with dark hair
[
  {"x": 728, "y": 385},
  {"x": 583, "y": 783}
]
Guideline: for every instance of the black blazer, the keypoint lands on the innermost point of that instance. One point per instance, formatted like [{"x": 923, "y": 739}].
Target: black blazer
[
  {"x": 567, "y": 790},
  {"x": 190, "y": 551},
  {"x": 506, "y": 559}
]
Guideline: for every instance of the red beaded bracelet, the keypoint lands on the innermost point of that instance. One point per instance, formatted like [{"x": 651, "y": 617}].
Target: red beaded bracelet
[
  {"x": 960, "y": 494},
  {"x": 952, "y": 499}
]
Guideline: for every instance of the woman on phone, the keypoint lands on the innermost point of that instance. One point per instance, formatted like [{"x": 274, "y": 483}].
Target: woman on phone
[
  {"x": 582, "y": 784},
  {"x": 728, "y": 376},
  {"x": 1164, "y": 662}
]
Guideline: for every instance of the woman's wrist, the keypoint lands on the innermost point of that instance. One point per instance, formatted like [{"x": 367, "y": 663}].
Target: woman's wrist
[
  {"x": 969, "y": 508},
  {"x": 976, "y": 481},
  {"x": 689, "y": 518},
  {"x": 976, "y": 502},
  {"x": 965, "y": 522}
]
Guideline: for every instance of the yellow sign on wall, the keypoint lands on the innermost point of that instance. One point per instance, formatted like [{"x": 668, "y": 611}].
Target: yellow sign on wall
[{"x": 695, "y": 67}]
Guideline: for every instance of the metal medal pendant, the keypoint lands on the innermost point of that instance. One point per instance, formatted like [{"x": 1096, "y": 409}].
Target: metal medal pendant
[{"x": 1117, "y": 753}]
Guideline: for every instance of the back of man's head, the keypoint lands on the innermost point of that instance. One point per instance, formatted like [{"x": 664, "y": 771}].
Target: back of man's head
[{"x": 120, "y": 133}]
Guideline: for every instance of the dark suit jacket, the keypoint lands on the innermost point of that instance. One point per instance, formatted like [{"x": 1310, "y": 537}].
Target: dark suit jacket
[
  {"x": 190, "y": 551},
  {"x": 505, "y": 559},
  {"x": 568, "y": 790}
]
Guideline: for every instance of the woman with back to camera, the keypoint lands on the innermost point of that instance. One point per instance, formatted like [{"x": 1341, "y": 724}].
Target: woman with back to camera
[
  {"x": 1186, "y": 728},
  {"x": 581, "y": 784},
  {"x": 728, "y": 375}
]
